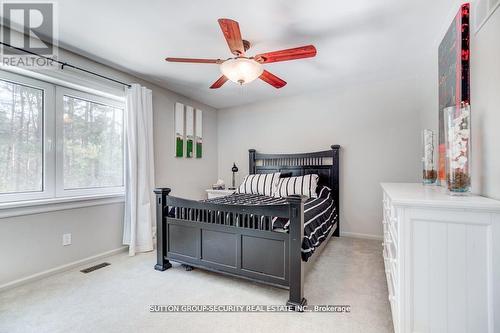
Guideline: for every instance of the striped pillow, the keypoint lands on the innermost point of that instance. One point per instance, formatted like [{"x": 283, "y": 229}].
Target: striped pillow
[
  {"x": 263, "y": 184},
  {"x": 302, "y": 185}
]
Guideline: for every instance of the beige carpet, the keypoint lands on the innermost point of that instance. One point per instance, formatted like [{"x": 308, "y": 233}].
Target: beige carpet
[{"x": 117, "y": 298}]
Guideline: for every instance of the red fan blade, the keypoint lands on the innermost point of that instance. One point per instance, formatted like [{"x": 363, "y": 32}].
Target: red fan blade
[
  {"x": 231, "y": 31},
  {"x": 195, "y": 60},
  {"x": 272, "y": 79},
  {"x": 219, "y": 82},
  {"x": 289, "y": 54}
]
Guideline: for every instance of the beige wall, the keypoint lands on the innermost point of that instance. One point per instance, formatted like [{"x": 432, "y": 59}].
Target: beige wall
[
  {"x": 377, "y": 125},
  {"x": 32, "y": 244}
]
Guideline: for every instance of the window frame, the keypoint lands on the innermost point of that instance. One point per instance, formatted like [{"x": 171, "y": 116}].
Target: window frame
[
  {"x": 48, "y": 140},
  {"x": 52, "y": 147},
  {"x": 60, "y": 190}
]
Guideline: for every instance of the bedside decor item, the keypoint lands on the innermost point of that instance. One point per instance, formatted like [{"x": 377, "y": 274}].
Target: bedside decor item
[
  {"x": 219, "y": 185},
  {"x": 458, "y": 148},
  {"x": 234, "y": 170},
  {"x": 429, "y": 173},
  {"x": 179, "y": 129},
  {"x": 454, "y": 81}
]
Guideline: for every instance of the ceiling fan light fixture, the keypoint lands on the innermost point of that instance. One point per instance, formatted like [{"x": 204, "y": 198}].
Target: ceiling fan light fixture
[{"x": 241, "y": 70}]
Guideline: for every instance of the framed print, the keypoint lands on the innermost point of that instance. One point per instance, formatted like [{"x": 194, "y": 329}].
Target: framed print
[
  {"x": 179, "y": 129},
  {"x": 199, "y": 133},
  {"x": 189, "y": 131}
]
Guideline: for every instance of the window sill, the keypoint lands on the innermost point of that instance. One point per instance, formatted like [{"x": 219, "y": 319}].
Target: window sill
[{"x": 30, "y": 207}]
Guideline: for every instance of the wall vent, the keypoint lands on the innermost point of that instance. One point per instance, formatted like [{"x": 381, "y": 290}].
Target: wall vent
[{"x": 95, "y": 267}]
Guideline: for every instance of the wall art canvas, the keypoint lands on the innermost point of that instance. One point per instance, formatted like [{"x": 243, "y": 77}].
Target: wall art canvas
[
  {"x": 199, "y": 133},
  {"x": 179, "y": 129},
  {"x": 454, "y": 83},
  {"x": 189, "y": 131}
]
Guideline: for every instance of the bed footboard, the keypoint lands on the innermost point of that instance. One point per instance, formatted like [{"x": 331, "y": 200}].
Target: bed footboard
[{"x": 236, "y": 240}]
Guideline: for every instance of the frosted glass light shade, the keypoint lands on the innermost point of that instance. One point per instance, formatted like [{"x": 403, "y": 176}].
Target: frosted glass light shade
[{"x": 241, "y": 70}]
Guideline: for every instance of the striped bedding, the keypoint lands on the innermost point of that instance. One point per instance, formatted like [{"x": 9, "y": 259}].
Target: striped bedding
[{"x": 320, "y": 215}]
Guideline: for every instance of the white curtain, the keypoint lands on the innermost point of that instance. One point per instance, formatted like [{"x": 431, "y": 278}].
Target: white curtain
[{"x": 140, "y": 219}]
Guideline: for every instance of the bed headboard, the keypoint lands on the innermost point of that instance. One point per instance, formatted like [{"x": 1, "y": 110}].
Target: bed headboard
[{"x": 323, "y": 163}]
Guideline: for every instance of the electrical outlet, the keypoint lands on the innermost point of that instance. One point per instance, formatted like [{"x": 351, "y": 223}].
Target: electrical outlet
[{"x": 66, "y": 239}]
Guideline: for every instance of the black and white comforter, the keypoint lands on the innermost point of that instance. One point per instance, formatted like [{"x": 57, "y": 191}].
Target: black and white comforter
[{"x": 320, "y": 215}]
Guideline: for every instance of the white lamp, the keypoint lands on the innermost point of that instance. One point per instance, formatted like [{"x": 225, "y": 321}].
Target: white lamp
[{"x": 241, "y": 70}]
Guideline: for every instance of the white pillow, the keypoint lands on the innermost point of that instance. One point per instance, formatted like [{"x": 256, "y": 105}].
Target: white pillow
[
  {"x": 302, "y": 185},
  {"x": 262, "y": 183}
]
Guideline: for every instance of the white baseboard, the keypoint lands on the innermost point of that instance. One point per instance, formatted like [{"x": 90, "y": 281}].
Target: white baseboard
[
  {"x": 59, "y": 269},
  {"x": 363, "y": 236}
]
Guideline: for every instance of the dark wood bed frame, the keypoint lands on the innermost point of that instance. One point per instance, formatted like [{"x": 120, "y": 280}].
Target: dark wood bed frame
[{"x": 204, "y": 234}]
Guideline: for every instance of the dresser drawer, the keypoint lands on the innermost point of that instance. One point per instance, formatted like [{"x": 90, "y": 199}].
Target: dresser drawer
[
  {"x": 390, "y": 214},
  {"x": 391, "y": 263},
  {"x": 390, "y": 243},
  {"x": 393, "y": 219},
  {"x": 391, "y": 286}
]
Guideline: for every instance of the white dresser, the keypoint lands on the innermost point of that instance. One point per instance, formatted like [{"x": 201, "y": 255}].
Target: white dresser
[{"x": 442, "y": 260}]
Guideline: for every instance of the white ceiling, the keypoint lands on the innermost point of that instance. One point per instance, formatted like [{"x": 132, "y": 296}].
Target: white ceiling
[{"x": 357, "y": 40}]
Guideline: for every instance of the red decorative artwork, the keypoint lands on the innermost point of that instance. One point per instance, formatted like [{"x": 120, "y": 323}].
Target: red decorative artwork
[{"x": 454, "y": 82}]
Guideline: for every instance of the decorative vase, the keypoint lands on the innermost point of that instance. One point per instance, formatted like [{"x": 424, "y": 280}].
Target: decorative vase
[
  {"x": 429, "y": 173},
  {"x": 458, "y": 149}
]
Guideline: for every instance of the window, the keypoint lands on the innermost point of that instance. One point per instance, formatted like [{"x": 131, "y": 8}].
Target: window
[
  {"x": 93, "y": 144},
  {"x": 58, "y": 142},
  {"x": 21, "y": 138}
]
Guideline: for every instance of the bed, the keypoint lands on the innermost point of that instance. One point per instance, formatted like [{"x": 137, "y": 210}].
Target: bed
[{"x": 263, "y": 239}]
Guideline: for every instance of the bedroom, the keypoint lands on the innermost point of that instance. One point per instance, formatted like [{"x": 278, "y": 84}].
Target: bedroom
[{"x": 94, "y": 119}]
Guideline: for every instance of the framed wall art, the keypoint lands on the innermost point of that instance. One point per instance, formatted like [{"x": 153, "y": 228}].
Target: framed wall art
[{"x": 179, "y": 129}]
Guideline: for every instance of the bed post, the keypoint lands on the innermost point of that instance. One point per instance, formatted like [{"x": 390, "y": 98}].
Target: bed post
[
  {"x": 296, "y": 272},
  {"x": 251, "y": 161},
  {"x": 161, "y": 229},
  {"x": 335, "y": 184}
]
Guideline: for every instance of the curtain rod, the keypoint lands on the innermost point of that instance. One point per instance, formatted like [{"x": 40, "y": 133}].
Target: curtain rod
[{"x": 65, "y": 64}]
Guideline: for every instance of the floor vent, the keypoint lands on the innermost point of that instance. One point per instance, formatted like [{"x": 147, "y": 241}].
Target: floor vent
[{"x": 96, "y": 267}]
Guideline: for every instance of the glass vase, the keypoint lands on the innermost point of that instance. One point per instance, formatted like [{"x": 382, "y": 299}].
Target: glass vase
[
  {"x": 429, "y": 173},
  {"x": 458, "y": 149}
]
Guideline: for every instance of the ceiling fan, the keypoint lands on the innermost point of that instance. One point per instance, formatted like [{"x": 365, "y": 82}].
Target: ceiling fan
[{"x": 242, "y": 69}]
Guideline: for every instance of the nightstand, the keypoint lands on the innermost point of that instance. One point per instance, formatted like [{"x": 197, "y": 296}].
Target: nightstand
[{"x": 219, "y": 193}]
